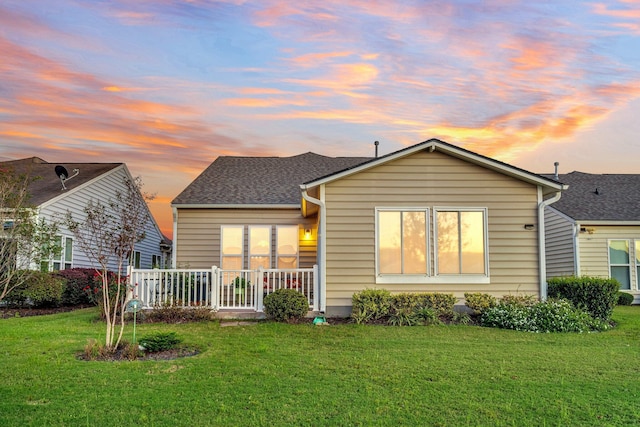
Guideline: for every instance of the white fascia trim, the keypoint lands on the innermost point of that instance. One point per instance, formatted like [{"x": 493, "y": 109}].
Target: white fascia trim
[
  {"x": 65, "y": 193},
  {"x": 584, "y": 223},
  {"x": 235, "y": 206}
]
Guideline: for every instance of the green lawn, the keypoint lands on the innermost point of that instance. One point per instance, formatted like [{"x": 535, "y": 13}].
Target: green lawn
[{"x": 270, "y": 374}]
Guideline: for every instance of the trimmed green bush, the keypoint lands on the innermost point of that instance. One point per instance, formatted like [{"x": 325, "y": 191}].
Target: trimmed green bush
[
  {"x": 524, "y": 300},
  {"x": 545, "y": 316},
  {"x": 597, "y": 296},
  {"x": 625, "y": 298},
  {"x": 286, "y": 305},
  {"x": 160, "y": 341},
  {"x": 479, "y": 302},
  {"x": 39, "y": 290},
  {"x": 370, "y": 305}
]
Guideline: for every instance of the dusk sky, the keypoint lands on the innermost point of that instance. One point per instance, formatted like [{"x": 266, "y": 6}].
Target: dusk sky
[{"x": 167, "y": 86}]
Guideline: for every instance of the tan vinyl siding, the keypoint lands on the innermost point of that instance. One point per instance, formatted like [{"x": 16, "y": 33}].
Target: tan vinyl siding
[
  {"x": 428, "y": 180},
  {"x": 559, "y": 245},
  {"x": 198, "y": 230},
  {"x": 594, "y": 248}
]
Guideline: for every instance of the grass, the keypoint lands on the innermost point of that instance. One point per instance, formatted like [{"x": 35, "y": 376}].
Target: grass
[{"x": 271, "y": 374}]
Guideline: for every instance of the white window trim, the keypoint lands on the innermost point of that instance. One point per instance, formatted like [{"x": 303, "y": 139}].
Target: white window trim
[
  {"x": 402, "y": 278},
  {"x": 628, "y": 264},
  {"x": 462, "y": 278},
  {"x": 432, "y": 277}
]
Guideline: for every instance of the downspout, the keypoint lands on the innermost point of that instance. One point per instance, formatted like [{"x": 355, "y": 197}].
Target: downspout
[
  {"x": 174, "y": 243},
  {"x": 541, "y": 240},
  {"x": 322, "y": 266}
]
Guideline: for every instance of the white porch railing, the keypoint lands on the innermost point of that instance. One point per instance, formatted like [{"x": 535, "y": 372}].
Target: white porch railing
[{"x": 220, "y": 289}]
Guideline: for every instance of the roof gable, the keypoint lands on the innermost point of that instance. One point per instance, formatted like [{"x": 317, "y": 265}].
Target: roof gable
[
  {"x": 47, "y": 186},
  {"x": 600, "y": 197},
  {"x": 549, "y": 185},
  {"x": 232, "y": 180}
]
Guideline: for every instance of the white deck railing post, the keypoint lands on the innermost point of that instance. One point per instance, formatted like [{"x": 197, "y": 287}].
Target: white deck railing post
[
  {"x": 260, "y": 290},
  {"x": 215, "y": 288}
]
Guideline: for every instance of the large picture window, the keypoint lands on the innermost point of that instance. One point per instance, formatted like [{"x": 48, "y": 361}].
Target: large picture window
[
  {"x": 619, "y": 267},
  {"x": 460, "y": 242},
  {"x": 402, "y": 242}
]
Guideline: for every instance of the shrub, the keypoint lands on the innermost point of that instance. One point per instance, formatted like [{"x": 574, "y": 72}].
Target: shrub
[
  {"x": 597, "y": 296},
  {"x": 428, "y": 316},
  {"x": 39, "y": 290},
  {"x": 81, "y": 286},
  {"x": 370, "y": 305},
  {"x": 523, "y": 300},
  {"x": 625, "y": 298},
  {"x": 403, "y": 316},
  {"x": 479, "y": 302},
  {"x": 545, "y": 316},
  {"x": 160, "y": 341},
  {"x": 442, "y": 303},
  {"x": 286, "y": 305},
  {"x": 173, "y": 313}
]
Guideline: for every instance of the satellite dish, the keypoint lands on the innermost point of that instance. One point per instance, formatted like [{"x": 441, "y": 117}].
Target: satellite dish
[{"x": 62, "y": 173}]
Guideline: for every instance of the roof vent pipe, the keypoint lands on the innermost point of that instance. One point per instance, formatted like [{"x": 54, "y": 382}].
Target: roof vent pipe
[
  {"x": 376, "y": 143},
  {"x": 556, "y": 164}
]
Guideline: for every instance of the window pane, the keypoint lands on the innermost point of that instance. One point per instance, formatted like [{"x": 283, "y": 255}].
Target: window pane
[
  {"x": 621, "y": 274},
  {"x": 68, "y": 249},
  {"x": 448, "y": 243},
  {"x": 232, "y": 240},
  {"x": 414, "y": 243},
  {"x": 259, "y": 261},
  {"x": 260, "y": 240},
  {"x": 619, "y": 252},
  {"x": 472, "y": 230},
  {"x": 389, "y": 244},
  {"x": 288, "y": 240},
  {"x": 232, "y": 263},
  {"x": 287, "y": 262}
]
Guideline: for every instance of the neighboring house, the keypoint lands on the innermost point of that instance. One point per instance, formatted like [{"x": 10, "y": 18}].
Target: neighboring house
[
  {"x": 432, "y": 217},
  {"x": 594, "y": 230},
  {"x": 53, "y": 198}
]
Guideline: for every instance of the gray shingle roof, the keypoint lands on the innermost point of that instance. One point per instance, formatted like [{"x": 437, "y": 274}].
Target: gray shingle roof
[
  {"x": 596, "y": 197},
  {"x": 48, "y": 185},
  {"x": 232, "y": 180}
]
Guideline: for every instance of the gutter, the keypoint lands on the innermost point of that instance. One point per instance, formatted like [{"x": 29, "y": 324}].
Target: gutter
[
  {"x": 541, "y": 242},
  {"x": 322, "y": 251}
]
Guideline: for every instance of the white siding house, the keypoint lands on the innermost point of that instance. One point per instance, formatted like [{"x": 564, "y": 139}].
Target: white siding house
[{"x": 99, "y": 182}]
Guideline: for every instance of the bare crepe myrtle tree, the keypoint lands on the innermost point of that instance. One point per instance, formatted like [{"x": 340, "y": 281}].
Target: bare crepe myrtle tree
[
  {"x": 107, "y": 234},
  {"x": 25, "y": 239}
]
